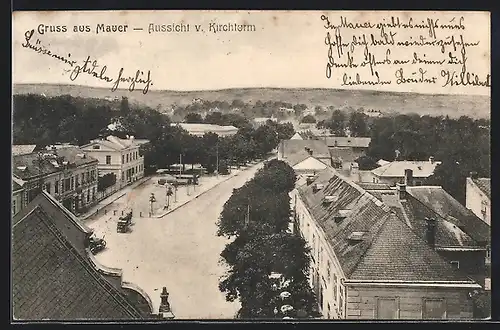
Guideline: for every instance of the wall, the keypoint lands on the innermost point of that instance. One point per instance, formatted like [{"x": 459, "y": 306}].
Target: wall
[
  {"x": 476, "y": 201},
  {"x": 391, "y": 181},
  {"x": 323, "y": 263},
  {"x": 17, "y": 201},
  {"x": 362, "y": 301}
]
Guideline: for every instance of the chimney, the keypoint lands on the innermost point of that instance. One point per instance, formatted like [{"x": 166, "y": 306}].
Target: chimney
[
  {"x": 408, "y": 177},
  {"x": 431, "y": 159},
  {"x": 401, "y": 190},
  {"x": 431, "y": 231},
  {"x": 473, "y": 175}
]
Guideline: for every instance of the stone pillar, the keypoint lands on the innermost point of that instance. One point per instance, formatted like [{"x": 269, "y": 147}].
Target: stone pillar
[{"x": 165, "y": 311}]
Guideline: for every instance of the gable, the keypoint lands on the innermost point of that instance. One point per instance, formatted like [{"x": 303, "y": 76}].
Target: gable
[
  {"x": 310, "y": 163},
  {"x": 92, "y": 147}
]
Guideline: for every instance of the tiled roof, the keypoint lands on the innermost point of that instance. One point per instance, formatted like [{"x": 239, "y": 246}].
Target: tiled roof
[
  {"x": 357, "y": 142},
  {"x": 388, "y": 245},
  {"x": 448, "y": 208},
  {"x": 22, "y": 149},
  {"x": 47, "y": 162},
  {"x": 485, "y": 185},
  {"x": 344, "y": 154},
  {"x": 421, "y": 169},
  {"x": 291, "y": 147},
  {"x": 456, "y": 226},
  {"x": 116, "y": 143},
  {"x": 52, "y": 275}
]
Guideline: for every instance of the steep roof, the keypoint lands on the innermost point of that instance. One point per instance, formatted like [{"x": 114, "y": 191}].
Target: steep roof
[
  {"x": 421, "y": 169},
  {"x": 388, "y": 244},
  {"x": 484, "y": 184},
  {"x": 356, "y": 142},
  {"x": 117, "y": 143},
  {"x": 22, "y": 149},
  {"x": 297, "y": 149},
  {"x": 53, "y": 275},
  {"x": 451, "y": 210},
  {"x": 344, "y": 154},
  {"x": 456, "y": 226},
  {"x": 48, "y": 162}
]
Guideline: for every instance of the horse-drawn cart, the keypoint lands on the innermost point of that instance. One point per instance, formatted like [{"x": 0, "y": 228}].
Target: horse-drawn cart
[{"x": 124, "y": 223}]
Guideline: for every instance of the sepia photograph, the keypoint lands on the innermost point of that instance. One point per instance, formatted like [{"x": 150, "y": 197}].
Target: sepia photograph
[{"x": 250, "y": 165}]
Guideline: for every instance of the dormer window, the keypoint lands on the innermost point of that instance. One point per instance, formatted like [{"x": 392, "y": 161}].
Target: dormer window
[
  {"x": 318, "y": 186},
  {"x": 22, "y": 168},
  {"x": 330, "y": 199},
  {"x": 96, "y": 147},
  {"x": 341, "y": 215},
  {"x": 357, "y": 236}
]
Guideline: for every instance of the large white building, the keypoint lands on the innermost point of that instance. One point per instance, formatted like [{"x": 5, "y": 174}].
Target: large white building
[
  {"x": 202, "y": 129},
  {"x": 118, "y": 156}
]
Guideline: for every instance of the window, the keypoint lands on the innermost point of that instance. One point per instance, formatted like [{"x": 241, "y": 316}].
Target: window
[
  {"x": 56, "y": 187},
  {"x": 328, "y": 315},
  {"x": 313, "y": 247},
  {"x": 341, "y": 299},
  {"x": 387, "y": 308},
  {"x": 72, "y": 183},
  {"x": 96, "y": 147},
  {"x": 108, "y": 160},
  {"x": 127, "y": 158},
  {"x": 13, "y": 206},
  {"x": 328, "y": 271},
  {"x": 488, "y": 252},
  {"x": 123, "y": 159},
  {"x": 434, "y": 309},
  {"x": 93, "y": 193},
  {"x": 67, "y": 184},
  {"x": 83, "y": 178},
  {"x": 455, "y": 264},
  {"x": 77, "y": 181},
  {"x": 335, "y": 287},
  {"x": 88, "y": 195}
]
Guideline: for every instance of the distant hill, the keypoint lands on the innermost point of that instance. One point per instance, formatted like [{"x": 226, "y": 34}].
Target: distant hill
[{"x": 387, "y": 102}]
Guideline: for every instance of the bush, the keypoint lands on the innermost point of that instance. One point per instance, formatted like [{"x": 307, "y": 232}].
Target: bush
[{"x": 106, "y": 181}]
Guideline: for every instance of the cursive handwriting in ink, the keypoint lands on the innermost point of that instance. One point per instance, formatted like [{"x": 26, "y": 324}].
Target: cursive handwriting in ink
[
  {"x": 90, "y": 68},
  {"x": 415, "y": 78},
  {"x": 464, "y": 78},
  {"x": 39, "y": 48},
  {"x": 134, "y": 80},
  {"x": 348, "y": 81}
]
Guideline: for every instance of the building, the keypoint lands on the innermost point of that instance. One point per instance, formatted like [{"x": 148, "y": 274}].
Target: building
[
  {"x": 18, "y": 195},
  {"x": 478, "y": 197},
  {"x": 394, "y": 172},
  {"x": 68, "y": 174},
  {"x": 460, "y": 236},
  {"x": 357, "y": 144},
  {"x": 297, "y": 136},
  {"x": 367, "y": 263},
  {"x": 202, "y": 129},
  {"x": 122, "y": 157},
  {"x": 55, "y": 276},
  {"x": 22, "y": 149},
  {"x": 260, "y": 121},
  {"x": 304, "y": 156}
]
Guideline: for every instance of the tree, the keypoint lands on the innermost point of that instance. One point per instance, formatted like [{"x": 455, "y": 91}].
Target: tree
[
  {"x": 336, "y": 124},
  {"x": 193, "y": 118},
  {"x": 308, "y": 119},
  {"x": 357, "y": 124},
  {"x": 106, "y": 181},
  {"x": 124, "y": 106}
]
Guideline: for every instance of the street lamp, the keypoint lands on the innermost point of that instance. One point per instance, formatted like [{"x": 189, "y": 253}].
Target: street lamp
[
  {"x": 152, "y": 199},
  {"x": 169, "y": 193}
]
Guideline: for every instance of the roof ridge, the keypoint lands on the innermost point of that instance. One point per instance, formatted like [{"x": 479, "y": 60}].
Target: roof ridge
[
  {"x": 440, "y": 216},
  {"x": 114, "y": 292}
]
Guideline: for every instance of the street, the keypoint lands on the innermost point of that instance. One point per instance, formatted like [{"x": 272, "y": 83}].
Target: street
[{"x": 180, "y": 250}]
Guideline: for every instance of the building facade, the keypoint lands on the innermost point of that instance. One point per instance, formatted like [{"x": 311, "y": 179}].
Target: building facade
[
  {"x": 68, "y": 174},
  {"x": 478, "y": 197},
  {"x": 394, "y": 172},
  {"x": 18, "y": 195},
  {"x": 367, "y": 263},
  {"x": 122, "y": 157}
]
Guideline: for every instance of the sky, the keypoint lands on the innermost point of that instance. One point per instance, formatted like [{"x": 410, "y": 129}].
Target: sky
[{"x": 287, "y": 49}]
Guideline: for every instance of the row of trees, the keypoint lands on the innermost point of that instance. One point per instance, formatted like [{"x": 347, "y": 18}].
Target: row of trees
[
  {"x": 257, "y": 217},
  {"x": 45, "y": 121}
]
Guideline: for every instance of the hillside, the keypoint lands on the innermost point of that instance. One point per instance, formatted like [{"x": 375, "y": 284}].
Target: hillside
[{"x": 387, "y": 102}]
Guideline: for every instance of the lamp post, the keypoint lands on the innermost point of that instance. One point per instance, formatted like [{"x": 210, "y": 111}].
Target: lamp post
[
  {"x": 169, "y": 193},
  {"x": 152, "y": 199}
]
